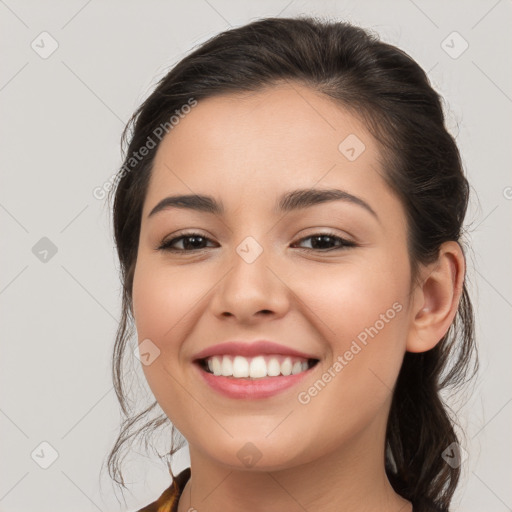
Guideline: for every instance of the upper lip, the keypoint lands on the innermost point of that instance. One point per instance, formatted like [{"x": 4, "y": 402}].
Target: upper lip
[{"x": 250, "y": 349}]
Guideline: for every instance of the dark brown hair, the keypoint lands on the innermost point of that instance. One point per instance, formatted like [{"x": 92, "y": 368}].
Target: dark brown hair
[{"x": 390, "y": 92}]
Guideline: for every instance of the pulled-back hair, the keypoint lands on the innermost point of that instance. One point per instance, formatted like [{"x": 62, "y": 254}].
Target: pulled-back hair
[{"x": 392, "y": 95}]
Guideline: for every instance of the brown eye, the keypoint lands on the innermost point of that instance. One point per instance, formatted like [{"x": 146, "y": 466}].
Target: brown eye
[
  {"x": 327, "y": 242},
  {"x": 189, "y": 242}
]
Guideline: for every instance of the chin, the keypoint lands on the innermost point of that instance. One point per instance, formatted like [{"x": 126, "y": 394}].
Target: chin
[{"x": 257, "y": 453}]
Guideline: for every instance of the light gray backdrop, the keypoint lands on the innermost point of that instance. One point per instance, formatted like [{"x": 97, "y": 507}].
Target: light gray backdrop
[{"x": 72, "y": 73}]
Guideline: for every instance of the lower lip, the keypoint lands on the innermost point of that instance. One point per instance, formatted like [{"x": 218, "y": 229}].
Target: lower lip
[{"x": 251, "y": 388}]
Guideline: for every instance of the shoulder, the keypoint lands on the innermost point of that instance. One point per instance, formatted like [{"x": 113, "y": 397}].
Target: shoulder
[{"x": 168, "y": 500}]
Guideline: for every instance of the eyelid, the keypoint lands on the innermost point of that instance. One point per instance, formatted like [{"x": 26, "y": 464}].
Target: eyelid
[
  {"x": 345, "y": 242},
  {"x": 178, "y": 236}
]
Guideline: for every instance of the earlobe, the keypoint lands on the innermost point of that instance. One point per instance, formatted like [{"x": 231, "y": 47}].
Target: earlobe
[{"x": 437, "y": 298}]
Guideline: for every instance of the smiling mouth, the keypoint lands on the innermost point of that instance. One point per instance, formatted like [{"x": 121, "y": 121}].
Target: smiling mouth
[{"x": 258, "y": 367}]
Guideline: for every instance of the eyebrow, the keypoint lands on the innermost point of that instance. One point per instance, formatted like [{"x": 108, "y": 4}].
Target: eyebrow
[{"x": 290, "y": 201}]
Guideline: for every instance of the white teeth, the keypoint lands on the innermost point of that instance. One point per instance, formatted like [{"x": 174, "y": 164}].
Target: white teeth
[
  {"x": 273, "y": 368},
  {"x": 256, "y": 367},
  {"x": 240, "y": 367},
  {"x": 227, "y": 367},
  {"x": 286, "y": 366},
  {"x": 297, "y": 368},
  {"x": 216, "y": 365}
]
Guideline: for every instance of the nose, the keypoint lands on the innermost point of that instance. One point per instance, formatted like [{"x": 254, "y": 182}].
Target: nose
[{"x": 251, "y": 290}]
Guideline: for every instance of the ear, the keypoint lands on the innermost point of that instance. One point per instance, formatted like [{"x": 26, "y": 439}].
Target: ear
[{"x": 436, "y": 299}]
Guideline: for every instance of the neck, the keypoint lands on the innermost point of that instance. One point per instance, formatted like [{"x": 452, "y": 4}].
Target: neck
[{"x": 351, "y": 479}]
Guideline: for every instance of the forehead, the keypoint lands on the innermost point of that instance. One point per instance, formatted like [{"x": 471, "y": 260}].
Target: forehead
[{"x": 259, "y": 144}]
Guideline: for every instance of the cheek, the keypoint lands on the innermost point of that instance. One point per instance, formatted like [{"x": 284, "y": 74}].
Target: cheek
[
  {"x": 349, "y": 300},
  {"x": 162, "y": 300},
  {"x": 163, "y": 309},
  {"x": 361, "y": 313}
]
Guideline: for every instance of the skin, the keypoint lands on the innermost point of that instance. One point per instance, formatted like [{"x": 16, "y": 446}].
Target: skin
[{"x": 246, "y": 150}]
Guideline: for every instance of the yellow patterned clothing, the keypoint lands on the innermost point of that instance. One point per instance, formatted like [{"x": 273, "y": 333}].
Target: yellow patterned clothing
[{"x": 168, "y": 501}]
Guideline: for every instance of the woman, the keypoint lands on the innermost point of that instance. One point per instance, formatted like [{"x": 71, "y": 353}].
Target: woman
[{"x": 288, "y": 220}]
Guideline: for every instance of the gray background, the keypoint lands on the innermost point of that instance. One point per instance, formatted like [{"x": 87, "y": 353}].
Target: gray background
[{"x": 61, "y": 120}]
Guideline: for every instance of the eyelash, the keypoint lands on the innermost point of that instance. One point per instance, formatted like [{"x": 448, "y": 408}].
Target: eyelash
[{"x": 166, "y": 246}]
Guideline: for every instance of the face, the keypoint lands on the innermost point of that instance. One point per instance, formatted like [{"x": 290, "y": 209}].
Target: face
[{"x": 327, "y": 278}]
